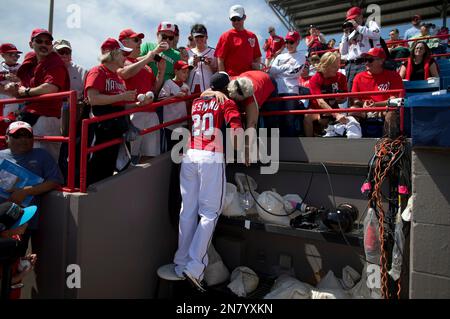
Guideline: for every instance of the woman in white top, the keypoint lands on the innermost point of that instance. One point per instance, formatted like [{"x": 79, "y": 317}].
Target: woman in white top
[
  {"x": 285, "y": 70},
  {"x": 202, "y": 59}
]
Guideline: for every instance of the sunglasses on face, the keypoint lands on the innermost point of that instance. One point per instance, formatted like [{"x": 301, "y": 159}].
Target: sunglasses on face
[
  {"x": 370, "y": 60},
  {"x": 64, "y": 52},
  {"x": 21, "y": 135},
  {"x": 167, "y": 37},
  {"x": 40, "y": 41},
  {"x": 236, "y": 19},
  {"x": 13, "y": 55},
  {"x": 290, "y": 42},
  {"x": 137, "y": 40}
]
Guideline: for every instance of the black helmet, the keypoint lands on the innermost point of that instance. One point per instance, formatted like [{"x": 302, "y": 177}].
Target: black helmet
[{"x": 342, "y": 218}]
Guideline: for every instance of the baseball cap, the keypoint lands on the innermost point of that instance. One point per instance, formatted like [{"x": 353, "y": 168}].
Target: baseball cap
[
  {"x": 61, "y": 44},
  {"x": 237, "y": 11},
  {"x": 111, "y": 44},
  {"x": 181, "y": 65},
  {"x": 38, "y": 32},
  {"x": 353, "y": 12},
  {"x": 167, "y": 26},
  {"x": 219, "y": 81},
  {"x": 18, "y": 125},
  {"x": 13, "y": 216},
  {"x": 198, "y": 29},
  {"x": 129, "y": 33},
  {"x": 9, "y": 48},
  {"x": 376, "y": 53},
  {"x": 416, "y": 17},
  {"x": 293, "y": 36}
]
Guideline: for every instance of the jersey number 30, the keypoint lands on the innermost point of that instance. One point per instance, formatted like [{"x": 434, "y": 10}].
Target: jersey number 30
[{"x": 199, "y": 125}]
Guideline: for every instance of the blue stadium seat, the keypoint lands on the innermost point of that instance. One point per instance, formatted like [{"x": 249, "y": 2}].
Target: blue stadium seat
[
  {"x": 445, "y": 82},
  {"x": 421, "y": 87}
]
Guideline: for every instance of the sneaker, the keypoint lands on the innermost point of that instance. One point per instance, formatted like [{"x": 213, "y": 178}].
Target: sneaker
[{"x": 194, "y": 282}]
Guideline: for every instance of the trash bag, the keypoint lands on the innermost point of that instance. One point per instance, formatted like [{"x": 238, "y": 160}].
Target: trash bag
[
  {"x": 216, "y": 272},
  {"x": 397, "y": 252},
  {"x": 245, "y": 185},
  {"x": 273, "y": 209},
  {"x": 243, "y": 281},
  {"x": 372, "y": 246},
  {"x": 232, "y": 205},
  {"x": 350, "y": 277},
  {"x": 287, "y": 287}
]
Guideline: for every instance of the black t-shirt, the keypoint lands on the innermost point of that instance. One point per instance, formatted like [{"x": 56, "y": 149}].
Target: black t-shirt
[{"x": 418, "y": 70}]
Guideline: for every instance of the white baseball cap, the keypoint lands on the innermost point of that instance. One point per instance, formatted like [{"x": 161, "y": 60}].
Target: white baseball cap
[
  {"x": 237, "y": 11},
  {"x": 15, "y": 126}
]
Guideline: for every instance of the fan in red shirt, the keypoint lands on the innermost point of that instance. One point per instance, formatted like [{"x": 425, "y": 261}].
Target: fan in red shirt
[
  {"x": 107, "y": 94},
  {"x": 140, "y": 77},
  {"x": 238, "y": 49},
  {"x": 376, "y": 78},
  {"x": 43, "y": 72},
  {"x": 273, "y": 46},
  {"x": 327, "y": 80}
]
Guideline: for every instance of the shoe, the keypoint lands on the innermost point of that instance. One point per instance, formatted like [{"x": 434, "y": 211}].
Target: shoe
[{"x": 194, "y": 282}]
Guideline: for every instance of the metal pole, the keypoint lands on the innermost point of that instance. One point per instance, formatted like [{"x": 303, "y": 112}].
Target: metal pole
[{"x": 50, "y": 17}]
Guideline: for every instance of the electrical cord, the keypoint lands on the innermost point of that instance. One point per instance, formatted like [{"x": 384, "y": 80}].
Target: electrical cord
[{"x": 287, "y": 213}]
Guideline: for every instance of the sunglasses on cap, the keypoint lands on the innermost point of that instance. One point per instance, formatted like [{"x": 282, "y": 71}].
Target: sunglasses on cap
[
  {"x": 290, "y": 42},
  {"x": 64, "y": 52},
  {"x": 23, "y": 134},
  {"x": 40, "y": 41},
  {"x": 199, "y": 36},
  {"x": 236, "y": 19},
  {"x": 167, "y": 37}
]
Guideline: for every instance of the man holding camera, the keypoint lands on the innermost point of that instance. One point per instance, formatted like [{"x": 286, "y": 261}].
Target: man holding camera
[{"x": 358, "y": 38}]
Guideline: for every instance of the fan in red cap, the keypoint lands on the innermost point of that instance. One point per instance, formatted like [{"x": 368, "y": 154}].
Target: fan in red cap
[
  {"x": 129, "y": 33},
  {"x": 353, "y": 13},
  {"x": 111, "y": 44}
]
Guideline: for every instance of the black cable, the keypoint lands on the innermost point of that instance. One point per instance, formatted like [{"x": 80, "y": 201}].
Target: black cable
[
  {"x": 287, "y": 213},
  {"x": 339, "y": 223}
]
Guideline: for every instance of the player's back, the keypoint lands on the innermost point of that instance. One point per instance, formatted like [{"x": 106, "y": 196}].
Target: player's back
[{"x": 208, "y": 116}]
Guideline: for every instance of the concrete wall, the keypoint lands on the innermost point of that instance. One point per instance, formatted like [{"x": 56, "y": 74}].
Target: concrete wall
[
  {"x": 119, "y": 234},
  {"x": 430, "y": 231}
]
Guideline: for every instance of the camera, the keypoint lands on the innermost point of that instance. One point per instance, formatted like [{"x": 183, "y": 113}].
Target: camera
[
  {"x": 157, "y": 58},
  {"x": 201, "y": 59},
  {"x": 347, "y": 25}
]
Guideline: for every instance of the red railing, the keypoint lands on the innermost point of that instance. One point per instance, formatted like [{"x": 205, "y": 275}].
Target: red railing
[
  {"x": 85, "y": 150},
  {"x": 433, "y": 56},
  {"x": 71, "y": 139},
  {"x": 418, "y": 39}
]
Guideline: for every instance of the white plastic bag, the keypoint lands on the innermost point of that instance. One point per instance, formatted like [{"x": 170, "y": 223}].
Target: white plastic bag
[
  {"x": 216, "y": 272},
  {"x": 245, "y": 185},
  {"x": 273, "y": 209},
  {"x": 243, "y": 281},
  {"x": 397, "y": 252},
  {"x": 287, "y": 287},
  {"x": 232, "y": 205}
]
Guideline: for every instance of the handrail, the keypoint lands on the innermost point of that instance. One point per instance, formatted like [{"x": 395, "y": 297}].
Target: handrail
[
  {"x": 72, "y": 95},
  {"x": 85, "y": 150},
  {"x": 433, "y": 56},
  {"x": 443, "y": 36},
  {"x": 335, "y": 95}
]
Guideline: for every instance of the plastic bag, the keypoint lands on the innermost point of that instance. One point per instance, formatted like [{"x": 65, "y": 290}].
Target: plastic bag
[
  {"x": 372, "y": 237},
  {"x": 243, "y": 281},
  {"x": 245, "y": 185},
  {"x": 216, "y": 272},
  {"x": 232, "y": 205},
  {"x": 397, "y": 252},
  {"x": 273, "y": 209},
  {"x": 287, "y": 287}
]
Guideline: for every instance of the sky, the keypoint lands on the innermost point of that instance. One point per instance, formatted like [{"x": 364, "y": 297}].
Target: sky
[{"x": 87, "y": 23}]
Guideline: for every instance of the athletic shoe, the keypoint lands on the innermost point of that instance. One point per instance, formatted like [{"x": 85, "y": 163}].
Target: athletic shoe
[{"x": 194, "y": 282}]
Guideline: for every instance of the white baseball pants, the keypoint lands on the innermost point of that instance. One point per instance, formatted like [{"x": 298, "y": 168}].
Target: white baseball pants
[{"x": 202, "y": 184}]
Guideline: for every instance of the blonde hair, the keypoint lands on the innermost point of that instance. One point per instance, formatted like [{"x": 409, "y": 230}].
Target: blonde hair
[
  {"x": 326, "y": 60},
  {"x": 240, "y": 88},
  {"x": 110, "y": 56}
]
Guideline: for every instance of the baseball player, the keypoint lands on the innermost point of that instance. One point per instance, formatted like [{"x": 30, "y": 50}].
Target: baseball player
[{"x": 202, "y": 181}]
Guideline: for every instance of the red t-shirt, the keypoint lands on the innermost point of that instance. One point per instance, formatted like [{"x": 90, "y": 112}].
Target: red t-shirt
[
  {"x": 318, "y": 84},
  {"x": 262, "y": 86},
  {"x": 105, "y": 81},
  {"x": 238, "y": 49},
  {"x": 207, "y": 120},
  {"x": 274, "y": 44},
  {"x": 386, "y": 80},
  {"x": 315, "y": 41},
  {"x": 143, "y": 81},
  {"x": 51, "y": 70}
]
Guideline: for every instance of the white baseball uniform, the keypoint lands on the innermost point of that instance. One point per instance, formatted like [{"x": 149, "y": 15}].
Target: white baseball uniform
[{"x": 202, "y": 183}]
